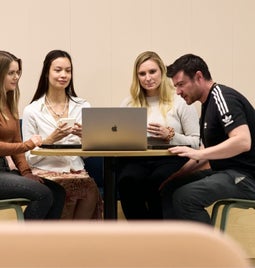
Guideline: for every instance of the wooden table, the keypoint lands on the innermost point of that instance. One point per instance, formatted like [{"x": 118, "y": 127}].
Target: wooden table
[{"x": 110, "y": 189}]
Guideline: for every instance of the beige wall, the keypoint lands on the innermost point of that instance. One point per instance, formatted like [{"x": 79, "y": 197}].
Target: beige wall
[{"x": 105, "y": 36}]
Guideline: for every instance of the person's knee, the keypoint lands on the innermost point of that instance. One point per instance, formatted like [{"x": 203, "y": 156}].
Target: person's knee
[
  {"x": 93, "y": 193},
  {"x": 43, "y": 193},
  {"x": 56, "y": 189}
]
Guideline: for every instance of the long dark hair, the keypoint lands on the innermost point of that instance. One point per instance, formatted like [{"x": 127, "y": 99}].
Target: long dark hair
[{"x": 43, "y": 84}]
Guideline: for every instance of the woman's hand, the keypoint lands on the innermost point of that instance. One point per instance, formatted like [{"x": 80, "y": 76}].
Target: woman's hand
[
  {"x": 77, "y": 130},
  {"x": 161, "y": 132},
  {"x": 59, "y": 133},
  {"x": 37, "y": 140},
  {"x": 34, "y": 177}
]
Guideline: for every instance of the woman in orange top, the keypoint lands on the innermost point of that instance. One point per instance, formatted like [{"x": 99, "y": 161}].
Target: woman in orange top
[{"x": 47, "y": 197}]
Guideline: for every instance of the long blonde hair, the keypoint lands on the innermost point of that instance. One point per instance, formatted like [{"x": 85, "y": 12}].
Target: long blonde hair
[
  {"x": 166, "y": 90},
  {"x": 11, "y": 98}
]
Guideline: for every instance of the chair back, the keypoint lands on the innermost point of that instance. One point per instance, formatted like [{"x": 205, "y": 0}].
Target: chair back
[{"x": 117, "y": 244}]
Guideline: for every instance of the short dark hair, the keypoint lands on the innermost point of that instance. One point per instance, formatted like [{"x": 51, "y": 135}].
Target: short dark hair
[{"x": 189, "y": 64}]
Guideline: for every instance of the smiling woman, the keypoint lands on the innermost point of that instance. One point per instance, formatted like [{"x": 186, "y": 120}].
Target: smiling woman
[
  {"x": 11, "y": 80},
  {"x": 55, "y": 102},
  {"x": 46, "y": 197}
]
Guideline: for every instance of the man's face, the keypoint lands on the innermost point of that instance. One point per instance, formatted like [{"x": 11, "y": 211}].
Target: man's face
[{"x": 186, "y": 87}]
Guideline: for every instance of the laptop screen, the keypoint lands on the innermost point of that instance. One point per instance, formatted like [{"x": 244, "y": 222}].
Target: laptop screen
[{"x": 114, "y": 128}]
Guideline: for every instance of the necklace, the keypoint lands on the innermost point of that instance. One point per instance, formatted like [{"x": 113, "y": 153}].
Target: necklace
[{"x": 58, "y": 115}]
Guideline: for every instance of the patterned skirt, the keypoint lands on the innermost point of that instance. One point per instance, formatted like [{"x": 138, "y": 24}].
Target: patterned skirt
[{"x": 83, "y": 199}]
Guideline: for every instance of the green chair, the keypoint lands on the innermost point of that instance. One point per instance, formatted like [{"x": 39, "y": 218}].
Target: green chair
[
  {"x": 16, "y": 204},
  {"x": 227, "y": 204}
]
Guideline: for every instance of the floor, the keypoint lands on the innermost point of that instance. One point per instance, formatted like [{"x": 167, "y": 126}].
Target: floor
[{"x": 121, "y": 215}]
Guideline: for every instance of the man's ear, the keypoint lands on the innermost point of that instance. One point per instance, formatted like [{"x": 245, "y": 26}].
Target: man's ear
[{"x": 198, "y": 76}]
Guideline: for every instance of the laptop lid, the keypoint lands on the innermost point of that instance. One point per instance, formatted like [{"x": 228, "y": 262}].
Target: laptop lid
[{"x": 114, "y": 128}]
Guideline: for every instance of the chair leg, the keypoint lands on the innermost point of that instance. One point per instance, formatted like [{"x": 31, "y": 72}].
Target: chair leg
[
  {"x": 18, "y": 211},
  {"x": 215, "y": 212},
  {"x": 224, "y": 217},
  {"x": 225, "y": 213}
]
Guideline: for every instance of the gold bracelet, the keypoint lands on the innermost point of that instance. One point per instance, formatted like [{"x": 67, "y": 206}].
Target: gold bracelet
[{"x": 171, "y": 133}]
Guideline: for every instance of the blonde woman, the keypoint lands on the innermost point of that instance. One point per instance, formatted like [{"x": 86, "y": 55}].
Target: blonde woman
[{"x": 170, "y": 120}]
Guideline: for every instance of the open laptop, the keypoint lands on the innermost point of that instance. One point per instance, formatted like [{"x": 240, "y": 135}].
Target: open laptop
[{"x": 114, "y": 128}]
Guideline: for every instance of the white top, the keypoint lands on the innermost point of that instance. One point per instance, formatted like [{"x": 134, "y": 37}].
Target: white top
[
  {"x": 182, "y": 117},
  {"x": 38, "y": 120}
]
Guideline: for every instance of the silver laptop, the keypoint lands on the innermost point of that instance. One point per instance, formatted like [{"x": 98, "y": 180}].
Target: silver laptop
[{"x": 114, "y": 128}]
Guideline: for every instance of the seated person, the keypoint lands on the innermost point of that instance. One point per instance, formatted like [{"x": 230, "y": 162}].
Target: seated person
[
  {"x": 54, "y": 99},
  {"x": 170, "y": 120},
  {"x": 46, "y": 196},
  {"x": 228, "y": 137}
]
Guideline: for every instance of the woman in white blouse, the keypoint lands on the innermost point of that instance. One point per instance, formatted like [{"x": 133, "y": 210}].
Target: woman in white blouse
[{"x": 55, "y": 99}]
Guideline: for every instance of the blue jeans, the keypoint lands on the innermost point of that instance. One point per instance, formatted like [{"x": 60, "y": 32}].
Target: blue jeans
[
  {"x": 186, "y": 198},
  {"x": 47, "y": 199}
]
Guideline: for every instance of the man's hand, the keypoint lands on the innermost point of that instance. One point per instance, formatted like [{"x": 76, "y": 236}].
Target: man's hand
[{"x": 185, "y": 151}]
